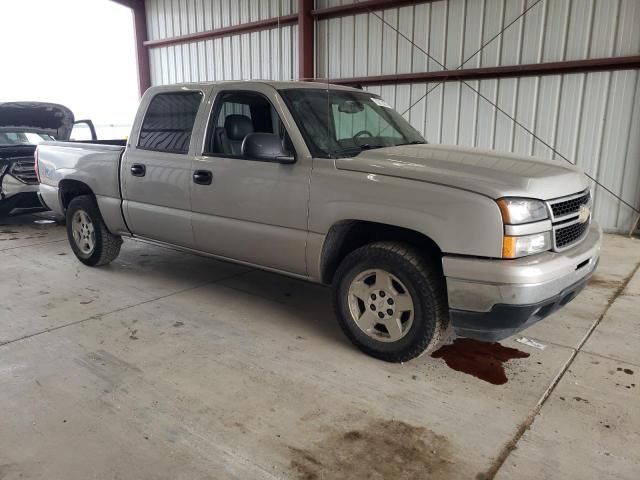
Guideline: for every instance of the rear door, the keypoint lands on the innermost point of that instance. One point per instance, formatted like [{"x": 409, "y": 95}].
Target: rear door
[
  {"x": 156, "y": 168},
  {"x": 252, "y": 210}
]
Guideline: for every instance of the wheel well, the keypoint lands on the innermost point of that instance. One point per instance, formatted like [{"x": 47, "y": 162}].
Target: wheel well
[
  {"x": 70, "y": 189},
  {"x": 347, "y": 236}
]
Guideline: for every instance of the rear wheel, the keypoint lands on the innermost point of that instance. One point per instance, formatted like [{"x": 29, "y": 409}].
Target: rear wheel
[
  {"x": 390, "y": 301},
  {"x": 90, "y": 240}
]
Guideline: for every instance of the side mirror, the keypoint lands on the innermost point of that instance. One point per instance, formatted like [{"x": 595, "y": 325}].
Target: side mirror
[{"x": 267, "y": 147}]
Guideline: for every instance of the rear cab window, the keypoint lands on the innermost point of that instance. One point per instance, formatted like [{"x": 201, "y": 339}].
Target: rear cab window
[{"x": 168, "y": 123}]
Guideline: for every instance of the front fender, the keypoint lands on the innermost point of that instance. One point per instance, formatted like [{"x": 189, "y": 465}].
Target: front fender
[{"x": 458, "y": 221}]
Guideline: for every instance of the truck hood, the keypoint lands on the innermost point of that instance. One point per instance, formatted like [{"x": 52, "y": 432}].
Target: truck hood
[
  {"x": 39, "y": 117},
  {"x": 490, "y": 173}
]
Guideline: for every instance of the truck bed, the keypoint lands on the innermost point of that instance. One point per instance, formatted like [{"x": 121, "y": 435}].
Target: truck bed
[{"x": 94, "y": 164}]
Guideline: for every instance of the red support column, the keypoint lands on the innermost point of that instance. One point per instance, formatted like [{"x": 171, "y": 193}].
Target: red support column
[
  {"x": 142, "y": 53},
  {"x": 306, "y": 42}
]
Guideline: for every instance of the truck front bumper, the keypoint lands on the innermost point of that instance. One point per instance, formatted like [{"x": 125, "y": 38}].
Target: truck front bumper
[
  {"x": 15, "y": 195},
  {"x": 493, "y": 299}
]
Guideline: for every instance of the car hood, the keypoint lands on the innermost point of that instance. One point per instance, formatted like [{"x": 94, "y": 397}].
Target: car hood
[
  {"x": 39, "y": 117},
  {"x": 490, "y": 173}
]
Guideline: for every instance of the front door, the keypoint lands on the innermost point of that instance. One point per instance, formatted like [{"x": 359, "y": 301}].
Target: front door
[
  {"x": 250, "y": 210},
  {"x": 156, "y": 172}
]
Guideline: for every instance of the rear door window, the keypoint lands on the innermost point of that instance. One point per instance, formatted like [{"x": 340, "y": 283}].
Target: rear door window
[{"x": 169, "y": 120}]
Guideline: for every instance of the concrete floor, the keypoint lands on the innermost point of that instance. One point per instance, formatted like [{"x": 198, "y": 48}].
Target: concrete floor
[{"x": 167, "y": 365}]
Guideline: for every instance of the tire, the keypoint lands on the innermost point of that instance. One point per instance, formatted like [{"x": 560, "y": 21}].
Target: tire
[
  {"x": 92, "y": 243},
  {"x": 402, "y": 268}
]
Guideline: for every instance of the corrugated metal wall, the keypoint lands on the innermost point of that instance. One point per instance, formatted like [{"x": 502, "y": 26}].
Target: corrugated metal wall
[
  {"x": 269, "y": 54},
  {"x": 591, "y": 119}
]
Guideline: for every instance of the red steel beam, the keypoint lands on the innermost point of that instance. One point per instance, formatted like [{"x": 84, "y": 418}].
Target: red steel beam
[
  {"x": 306, "y": 40},
  {"x": 485, "y": 73},
  {"x": 226, "y": 31},
  {"x": 142, "y": 53}
]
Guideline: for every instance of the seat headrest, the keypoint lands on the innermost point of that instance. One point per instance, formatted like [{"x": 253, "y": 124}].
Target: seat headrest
[{"x": 238, "y": 127}]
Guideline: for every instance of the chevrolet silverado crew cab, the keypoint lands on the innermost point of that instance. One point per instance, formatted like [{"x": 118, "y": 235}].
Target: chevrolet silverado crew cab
[{"x": 331, "y": 185}]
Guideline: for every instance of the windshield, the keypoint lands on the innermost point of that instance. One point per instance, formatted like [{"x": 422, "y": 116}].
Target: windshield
[
  {"x": 343, "y": 123},
  {"x": 23, "y": 138}
]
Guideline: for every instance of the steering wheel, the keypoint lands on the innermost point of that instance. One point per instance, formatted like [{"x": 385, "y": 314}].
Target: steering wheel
[{"x": 362, "y": 132}]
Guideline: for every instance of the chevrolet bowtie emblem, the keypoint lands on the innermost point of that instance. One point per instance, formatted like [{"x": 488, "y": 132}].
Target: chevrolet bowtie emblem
[{"x": 584, "y": 214}]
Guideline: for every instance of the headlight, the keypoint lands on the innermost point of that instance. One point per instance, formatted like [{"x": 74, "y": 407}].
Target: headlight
[
  {"x": 522, "y": 210},
  {"x": 514, "y": 247}
]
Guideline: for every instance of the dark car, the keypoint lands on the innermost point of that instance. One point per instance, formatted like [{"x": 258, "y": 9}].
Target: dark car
[{"x": 24, "y": 125}]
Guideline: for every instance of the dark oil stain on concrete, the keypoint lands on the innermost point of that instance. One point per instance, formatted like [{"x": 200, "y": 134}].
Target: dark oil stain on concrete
[
  {"x": 384, "y": 449},
  {"x": 628, "y": 371},
  {"x": 483, "y": 360},
  {"x": 599, "y": 282}
]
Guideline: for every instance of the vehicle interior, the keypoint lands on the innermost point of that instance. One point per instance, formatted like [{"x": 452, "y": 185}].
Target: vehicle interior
[{"x": 238, "y": 114}]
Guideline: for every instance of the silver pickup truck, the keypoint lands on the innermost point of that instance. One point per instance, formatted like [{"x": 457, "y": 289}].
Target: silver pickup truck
[{"x": 331, "y": 185}]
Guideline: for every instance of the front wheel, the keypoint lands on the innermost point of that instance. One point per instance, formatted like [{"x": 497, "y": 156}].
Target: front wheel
[
  {"x": 90, "y": 240},
  {"x": 390, "y": 301}
]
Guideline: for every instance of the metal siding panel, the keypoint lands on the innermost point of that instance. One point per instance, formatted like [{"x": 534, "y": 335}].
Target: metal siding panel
[
  {"x": 361, "y": 45},
  {"x": 555, "y": 30},
  {"x": 437, "y": 35},
  {"x": 630, "y": 190},
  {"x": 455, "y": 33},
  {"x": 405, "y": 47},
  {"x": 347, "y": 45},
  {"x": 493, "y": 24},
  {"x": 580, "y": 25},
  {"x": 591, "y": 127},
  {"x": 389, "y": 42},
  {"x": 295, "y": 60},
  {"x": 210, "y": 64},
  {"x": 219, "y": 59},
  {"x": 512, "y": 36},
  {"x": 417, "y": 114},
  {"x": 468, "y": 114},
  {"x": 473, "y": 28},
  {"x": 569, "y": 115},
  {"x": 433, "y": 131},
  {"x": 450, "y": 113},
  {"x": 507, "y": 94},
  {"x": 533, "y": 33},
  {"x": 245, "y": 48},
  {"x": 526, "y": 104},
  {"x": 615, "y": 142},
  {"x": 334, "y": 51},
  {"x": 604, "y": 28},
  {"x": 322, "y": 48},
  {"x": 374, "y": 57},
  {"x": 628, "y": 38},
  {"x": 267, "y": 53},
  {"x": 547, "y": 115},
  {"x": 487, "y": 114},
  {"x": 420, "y": 60}
]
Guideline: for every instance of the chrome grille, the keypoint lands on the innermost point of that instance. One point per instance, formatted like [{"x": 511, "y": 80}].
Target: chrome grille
[
  {"x": 568, "y": 230},
  {"x": 24, "y": 170},
  {"x": 569, "y": 235},
  {"x": 563, "y": 208}
]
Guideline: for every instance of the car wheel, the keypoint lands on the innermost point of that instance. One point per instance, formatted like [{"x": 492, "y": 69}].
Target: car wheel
[
  {"x": 391, "y": 301},
  {"x": 90, "y": 240}
]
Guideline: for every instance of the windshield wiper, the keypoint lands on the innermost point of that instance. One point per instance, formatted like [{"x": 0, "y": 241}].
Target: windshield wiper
[
  {"x": 415, "y": 142},
  {"x": 370, "y": 146}
]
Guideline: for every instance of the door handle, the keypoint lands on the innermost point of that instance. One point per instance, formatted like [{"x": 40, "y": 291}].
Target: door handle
[
  {"x": 202, "y": 177},
  {"x": 138, "y": 170}
]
